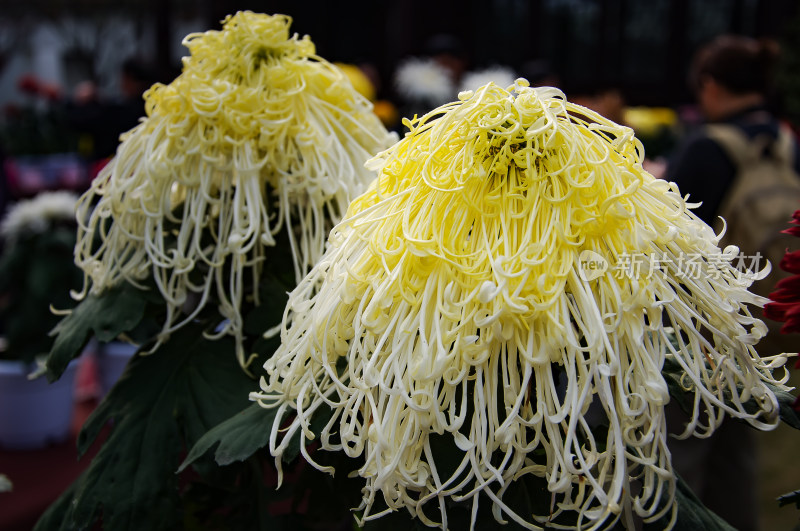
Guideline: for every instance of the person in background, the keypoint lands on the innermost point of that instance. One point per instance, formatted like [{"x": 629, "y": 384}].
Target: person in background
[
  {"x": 605, "y": 99},
  {"x": 732, "y": 79}
]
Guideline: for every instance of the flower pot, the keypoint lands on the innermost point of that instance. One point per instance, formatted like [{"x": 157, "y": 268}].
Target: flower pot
[
  {"x": 29, "y": 175},
  {"x": 112, "y": 359},
  {"x": 34, "y": 413}
]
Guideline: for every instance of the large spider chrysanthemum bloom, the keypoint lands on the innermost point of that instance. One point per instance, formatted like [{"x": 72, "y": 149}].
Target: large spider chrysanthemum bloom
[
  {"x": 256, "y": 135},
  {"x": 458, "y": 298}
]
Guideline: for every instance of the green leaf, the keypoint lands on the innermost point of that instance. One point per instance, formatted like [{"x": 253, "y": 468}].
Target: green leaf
[
  {"x": 789, "y": 498},
  {"x": 244, "y": 504},
  {"x": 239, "y": 437},
  {"x": 786, "y": 402},
  {"x": 53, "y": 516},
  {"x": 273, "y": 295},
  {"x": 672, "y": 373},
  {"x": 244, "y": 434},
  {"x": 692, "y": 514},
  {"x": 163, "y": 403},
  {"x": 106, "y": 315}
]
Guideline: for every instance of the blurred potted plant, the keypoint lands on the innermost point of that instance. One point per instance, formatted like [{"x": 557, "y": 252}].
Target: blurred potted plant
[{"x": 36, "y": 273}]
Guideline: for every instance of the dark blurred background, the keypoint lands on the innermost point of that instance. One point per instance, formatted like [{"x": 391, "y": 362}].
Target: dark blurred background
[
  {"x": 643, "y": 48},
  {"x": 72, "y": 72}
]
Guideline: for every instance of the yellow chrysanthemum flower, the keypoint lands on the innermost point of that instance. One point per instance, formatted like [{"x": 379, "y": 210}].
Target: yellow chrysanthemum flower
[
  {"x": 455, "y": 299},
  {"x": 257, "y": 134}
]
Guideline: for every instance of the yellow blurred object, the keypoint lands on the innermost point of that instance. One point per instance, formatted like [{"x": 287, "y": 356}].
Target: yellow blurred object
[
  {"x": 387, "y": 112},
  {"x": 359, "y": 80},
  {"x": 648, "y": 120}
]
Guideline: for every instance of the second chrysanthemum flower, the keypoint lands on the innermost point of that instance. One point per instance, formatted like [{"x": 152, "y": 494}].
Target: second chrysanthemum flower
[{"x": 257, "y": 135}]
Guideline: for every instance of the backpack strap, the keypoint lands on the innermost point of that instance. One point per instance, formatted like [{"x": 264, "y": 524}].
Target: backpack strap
[
  {"x": 784, "y": 148},
  {"x": 744, "y": 151}
]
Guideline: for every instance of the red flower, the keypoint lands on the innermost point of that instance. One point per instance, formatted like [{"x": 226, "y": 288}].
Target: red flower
[
  {"x": 28, "y": 84},
  {"x": 791, "y": 260},
  {"x": 794, "y": 231},
  {"x": 785, "y": 305},
  {"x": 50, "y": 91}
]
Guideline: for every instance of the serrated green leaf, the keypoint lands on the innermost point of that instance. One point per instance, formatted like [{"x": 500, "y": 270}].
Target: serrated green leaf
[
  {"x": 163, "y": 403},
  {"x": 244, "y": 434},
  {"x": 238, "y": 437},
  {"x": 107, "y": 315}
]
